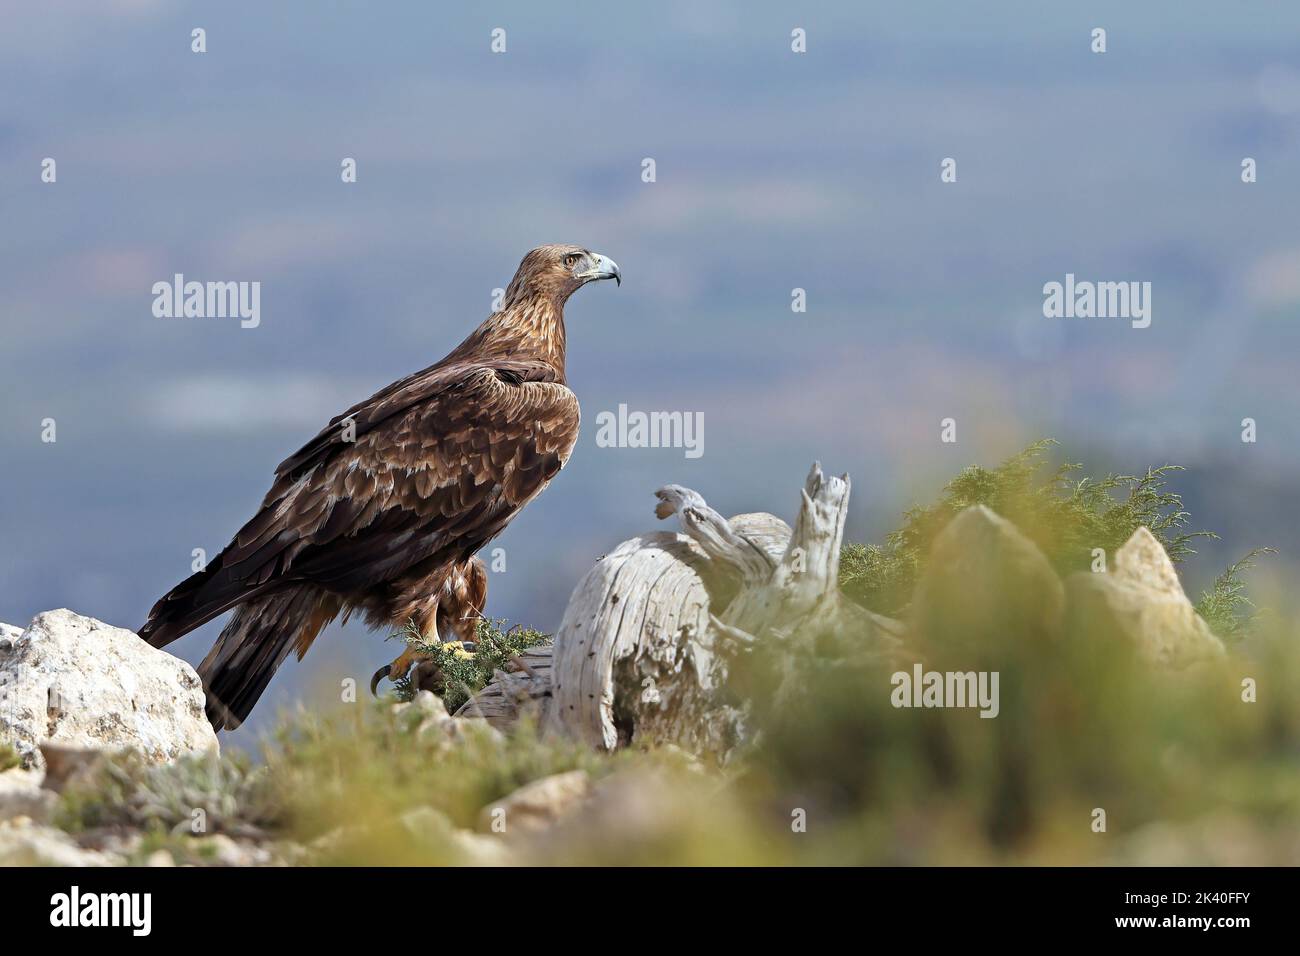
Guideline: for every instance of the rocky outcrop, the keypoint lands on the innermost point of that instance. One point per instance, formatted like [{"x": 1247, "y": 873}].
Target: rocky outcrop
[
  {"x": 78, "y": 682},
  {"x": 1141, "y": 600},
  {"x": 984, "y": 581}
]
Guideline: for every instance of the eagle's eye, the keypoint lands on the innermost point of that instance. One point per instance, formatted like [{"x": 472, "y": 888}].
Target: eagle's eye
[{"x": 571, "y": 260}]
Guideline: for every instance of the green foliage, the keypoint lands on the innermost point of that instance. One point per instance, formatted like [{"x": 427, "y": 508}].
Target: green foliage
[
  {"x": 1185, "y": 768},
  {"x": 355, "y": 772},
  {"x": 464, "y": 674},
  {"x": 364, "y": 768},
  {"x": 9, "y": 757},
  {"x": 1065, "y": 514},
  {"x": 1225, "y": 607}
]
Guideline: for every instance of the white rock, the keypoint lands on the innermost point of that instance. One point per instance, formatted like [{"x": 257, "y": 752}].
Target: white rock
[
  {"x": 475, "y": 849},
  {"x": 1143, "y": 560},
  {"x": 429, "y": 704},
  {"x": 1142, "y": 599},
  {"x": 539, "y": 804},
  {"x": 985, "y": 583},
  {"x": 46, "y": 846},
  {"x": 458, "y": 731},
  {"x": 430, "y": 825},
  {"x": 629, "y": 817},
  {"x": 220, "y": 850},
  {"x": 426, "y": 703},
  {"x": 21, "y": 795},
  {"x": 72, "y": 680}
]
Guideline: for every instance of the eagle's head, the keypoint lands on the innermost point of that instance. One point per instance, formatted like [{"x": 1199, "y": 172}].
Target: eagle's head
[{"x": 557, "y": 271}]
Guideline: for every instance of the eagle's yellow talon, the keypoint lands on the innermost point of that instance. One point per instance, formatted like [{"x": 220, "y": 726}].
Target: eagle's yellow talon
[{"x": 420, "y": 665}]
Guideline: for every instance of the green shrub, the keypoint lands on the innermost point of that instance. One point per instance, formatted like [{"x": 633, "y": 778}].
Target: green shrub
[
  {"x": 1067, "y": 515},
  {"x": 1225, "y": 606},
  {"x": 463, "y": 675},
  {"x": 200, "y": 793}
]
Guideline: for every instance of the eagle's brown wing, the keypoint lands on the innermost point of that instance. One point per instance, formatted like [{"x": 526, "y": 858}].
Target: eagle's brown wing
[{"x": 435, "y": 464}]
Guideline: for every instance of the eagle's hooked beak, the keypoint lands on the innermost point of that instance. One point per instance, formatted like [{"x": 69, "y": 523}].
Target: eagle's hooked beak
[{"x": 599, "y": 267}]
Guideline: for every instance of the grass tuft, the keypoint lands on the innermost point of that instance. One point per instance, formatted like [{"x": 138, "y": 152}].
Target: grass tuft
[
  {"x": 200, "y": 793},
  {"x": 9, "y": 757}
]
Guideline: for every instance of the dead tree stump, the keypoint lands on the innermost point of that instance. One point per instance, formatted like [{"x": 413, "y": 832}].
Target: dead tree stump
[{"x": 650, "y": 633}]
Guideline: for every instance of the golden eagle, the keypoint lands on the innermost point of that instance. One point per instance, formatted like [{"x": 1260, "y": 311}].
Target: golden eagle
[{"x": 382, "y": 512}]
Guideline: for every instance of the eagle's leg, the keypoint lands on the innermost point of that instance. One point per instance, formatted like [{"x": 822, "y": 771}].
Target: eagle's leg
[
  {"x": 451, "y": 614},
  {"x": 399, "y": 668},
  {"x": 427, "y": 622}
]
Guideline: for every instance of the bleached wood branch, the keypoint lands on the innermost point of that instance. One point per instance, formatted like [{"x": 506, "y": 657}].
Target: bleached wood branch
[
  {"x": 746, "y": 561},
  {"x": 650, "y": 632}
]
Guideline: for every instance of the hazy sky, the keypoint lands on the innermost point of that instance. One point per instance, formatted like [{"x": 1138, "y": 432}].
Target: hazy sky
[{"x": 774, "y": 170}]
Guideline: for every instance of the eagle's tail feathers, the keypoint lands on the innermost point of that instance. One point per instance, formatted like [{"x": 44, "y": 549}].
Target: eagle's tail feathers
[
  {"x": 254, "y": 644},
  {"x": 196, "y": 600}
]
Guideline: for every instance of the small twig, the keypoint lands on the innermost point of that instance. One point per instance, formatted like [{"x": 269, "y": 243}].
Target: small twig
[{"x": 738, "y": 639}]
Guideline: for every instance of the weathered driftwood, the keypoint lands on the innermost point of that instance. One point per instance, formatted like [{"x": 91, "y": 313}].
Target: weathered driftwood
[
  {"x": 649, "y": 634},
  {"x": 510, "y": 694},
  {"x": 635, "y": 653}
]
